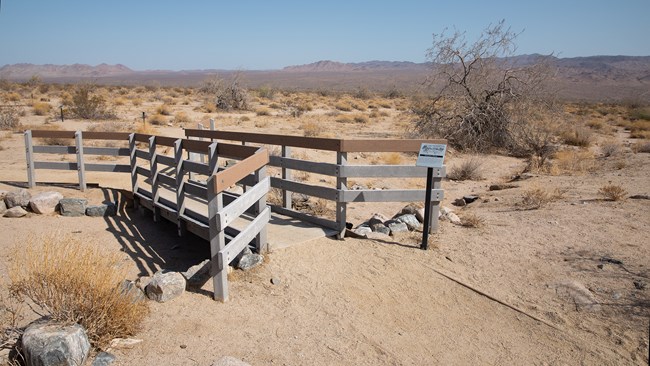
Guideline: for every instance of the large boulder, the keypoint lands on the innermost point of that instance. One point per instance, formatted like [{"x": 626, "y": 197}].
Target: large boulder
[
  {"x": 377, "y": 219},
  {"x": 197, "y": 275},
  {"x": 380, "y": 228},
  {"x": 131, "y": 291},
  {"x": 410, "y": 220},
  {"x": 15, "y": 212},
  {"x": 47, "y": 344},
  {"x": 19, "y": 197},
  {"x": 249, "y": 261},
  {"x": 103, "y": 359},
  {"x": 73, "y": 206},
  {"x": 397, "y": 227},
  {"x": 103, "y": 210},
  {"x": 165, "y": 285},
  {"x": 3, "y": 206},
  {"x": 45, "y": 202}
]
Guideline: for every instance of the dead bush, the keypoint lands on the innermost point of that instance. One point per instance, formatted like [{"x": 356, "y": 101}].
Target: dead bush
[
  {"x": 612, "y": 192},
  {"x": 611, "y": 149},
  {"x": 470, "y": 169},
  {"x": 9, "y": 117},
  {"x": 577, "y": 137},
  {"x": 310, "y": 129},
  {"x": 227, "y": 95},
  {"x": 72, "y": 281},
  {"x": 164, "y": 109},
  {"x": 181, "y": 117},
  {"x": 573, "y": 162},
  {"x": 641, "y": 147},
  {"x": 41, "y": 108},
  {"x": 157, "y": 120},
  {"x": 535, "y": 198},
  {"x": 88, "y": 105},
  {"x": 469, "y": 219}
]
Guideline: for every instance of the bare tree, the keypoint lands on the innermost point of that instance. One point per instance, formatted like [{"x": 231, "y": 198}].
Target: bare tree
[
  {"x": 485, "y": 99},
  {"x": 227, "y": 95}
]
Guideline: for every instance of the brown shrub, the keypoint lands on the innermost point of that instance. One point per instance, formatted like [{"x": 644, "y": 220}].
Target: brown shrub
[
  {"x": 469, "y": 219},
  {"x": 470, "y": 169},
  {"x": 164, "y": 109},
  {"x": 535, "y": 198},
  {"x": 181, "y": 117},
  {"x": 573, "y": 161},
  {"x": 71, "y": 281},
  {"x": 577, "y": 137},
  {"x": 9, "y": 117},
  {"x": 157, "y": 119},
  {"x": 612, "y": 192},
  {"x": 310, "y": 129},
  {"x": 41, "y": 108}
]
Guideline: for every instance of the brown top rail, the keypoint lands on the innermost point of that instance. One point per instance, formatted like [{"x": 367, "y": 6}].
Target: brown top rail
[
  {"x": 52, "y": 133},
  {"x": 232, "y": 175},
  {"x": 319, "y": 143}
]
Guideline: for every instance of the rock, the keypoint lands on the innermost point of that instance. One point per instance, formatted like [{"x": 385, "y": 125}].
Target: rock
[
  {"x": 459, "y": 202},
  {"x": 453, "y": 218},
  {"x": 3, "y": 206},
  {"x": 397, "y": 227},
  {"x": 124, "y": 343},
  {"x": 229, "y": 361},
  {"x": 275, "y": 281},
  {"x": 610, "y": 260},
  {"x": 55, "y": 344},
  {"x": 380, "y": 228},
  {"x": 410, "y": 220},
  {"x": 501, "y": 186},
  {"x": 16, "y": 198},
  {"x": 577, "y": 293},
  {"x": 197, "y": 275},
  {"x": 103, "y": 359},
  {"x": 131, "y": 290},
  {"x": 419, "y": 214},
  {"x": 249, "y": 261},
  {"x": 45, "y": 202},
  {"x": 73, "y": 206},
  {"x": 103, "y": 210},
  {"x": 377, "y": 219},
  {"x": 15, "y": 212},
  {"x": 362, "y": 230},
  {"x": 410, "y": 209},
  {"x": 142, "y": 282},
  {"x": 3, "y": 194},
  {"x": 165, "y": 285},
  {"x": 640, "y": 197},
  {"x": 470, "y": 198},
  {"x": 522, "y": 176}
]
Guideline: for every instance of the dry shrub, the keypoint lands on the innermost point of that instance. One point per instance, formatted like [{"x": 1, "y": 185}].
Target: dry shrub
[
  {"x": 469, "y": 219},
  {"x": 470, "y": 169},
  {"x": 208, "y": 107},
  {"x": 611, "y": 149},
  {"x": 392, "y": 158},
  {"x": 361, "y": 118},
  {"x": 145, "y": 129},
  {"x": 41, "y": 108},
  {"x": 164, "y": 109},
  {"x": 136, "y": 102},
  {"x": 157, "y": 119},
  {"x": 612, "y": 192},
  {"x": 119, "y": 101},
  {"x": 577, "y": 137},
  {"x": 181, "y": 117},
  {"x": 536, "y": 197},
  {"x": 573, "y": 161},
  {"x": 595, "y": 124},
  {"x": 344, "y": 119},
  {"x": 344, "y": 106},
  {"x": 641, "y": 147},
  {"x": 88, "y": 104},
  {"x": 359, "y": 105},
  {"x": 263, "y": 112},
  {"x": 309, "y": 129},
  {"x": 13, "y": 97},
  {"x": 71, "y": 281},
  {"x": 9, "y": 117}
]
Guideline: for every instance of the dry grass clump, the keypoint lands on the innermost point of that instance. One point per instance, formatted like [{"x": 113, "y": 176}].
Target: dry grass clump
[
  {"x": 181, "y": 117},
  {"x": 611, "y": 149},
  {"x": 641, "y": 147},
  {"x": 595, "y": 124},
  {"x": 392, "y": 158},
  {"x": 344, "y": 118},
  {"x": 536, "y": 197},
  {"x": 573, "y": 161},
  {"x": 164, "y": 109},
  {"x": 13, "y": 97},
  {"x": 343, "y": 105},
  {"x": 136, "y": 102},
  {"x": 577, "y": 137},
  {"x": 71, "y": 281},
  {"x": 361, "y": 118},
  {"x": 41, "y": 108},
  {"x": 309, "y": 129},
  {"x": 157, "y": 119},
  {"x": 612, "y": 192},
  {"x": 470, "y": 169},
  {"x": 470, "y": 219},
  {"x": 263, "y": 112}
]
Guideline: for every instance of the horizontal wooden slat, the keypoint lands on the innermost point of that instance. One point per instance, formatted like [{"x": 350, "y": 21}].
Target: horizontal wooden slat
[
  {"x": 240, "y": 242},
  {"x": 96, "y": 135},
  {"x": 390, "y": 195},
  {"x": 385, "y": 145},
  {"x": 165, "y": 141},
  {"x": 308, "y": 189},
  {"x": 305, "y": 166},
  {"x": 392, "y": 171},
  {"x": 117, "y": 168},
  {"x": 55, "y": 149},
  {"x": 142, "y": 154},
  {"x": 166, "y": 160},
  {"x": 140, "y": 137},
  {"x": 235, "y": 151},
  {"x": 242, "y": 169},
  {"x": 196, "y": 167},
  {"x": 143, "y": 171},
  {"x": 196, "y": 190},
  {"x": 110, "y": 151},
  {"x": 236, "y": 208},
  {"x": 166, "y": 179},
  {"x": 55, "y": 165},
  {"x": 196, "y": 146},
  {"x": 282, "y": 140},
  {"x": 54, "y": 134}
]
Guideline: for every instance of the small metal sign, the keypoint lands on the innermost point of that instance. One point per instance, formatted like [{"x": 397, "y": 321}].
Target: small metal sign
[{"x": 431, "y": 155}]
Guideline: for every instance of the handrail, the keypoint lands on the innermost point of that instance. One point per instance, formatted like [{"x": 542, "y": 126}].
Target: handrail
[{"x": 232, "y": 175}]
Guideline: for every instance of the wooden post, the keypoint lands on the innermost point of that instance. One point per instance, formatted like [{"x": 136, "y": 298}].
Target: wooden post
[
  {"x": 29, "y": 152},
  {"x": 153, "y": 176},
  {"x": 80, "y": 160},
  {"x": 180, "y": 187},
  {"x": 286, "y": 175},
  {"x": 218, "y": 271},
  {"x": 341, "y": 185},
  {"x": 134, "y": 166},
  {"x": 261, "y": 240},
  {"x": 211, "y": 124},
  {"x": 435, "y": 207}
]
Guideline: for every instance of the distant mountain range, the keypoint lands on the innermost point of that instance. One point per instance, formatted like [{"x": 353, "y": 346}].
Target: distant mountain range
[{"x": 590, "y": 78}]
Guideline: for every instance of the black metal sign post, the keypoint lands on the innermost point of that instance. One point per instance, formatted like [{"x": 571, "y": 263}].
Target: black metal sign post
[
  {"x": 427, "y": 211},
  {"x": 430, "y": 156}
]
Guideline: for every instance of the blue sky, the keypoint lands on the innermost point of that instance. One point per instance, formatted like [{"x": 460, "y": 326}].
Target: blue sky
[{"x": 252, "y": 35}]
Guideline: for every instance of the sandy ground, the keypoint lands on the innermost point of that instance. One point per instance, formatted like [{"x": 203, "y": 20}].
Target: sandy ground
[{"x": 506, "y": 293}]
